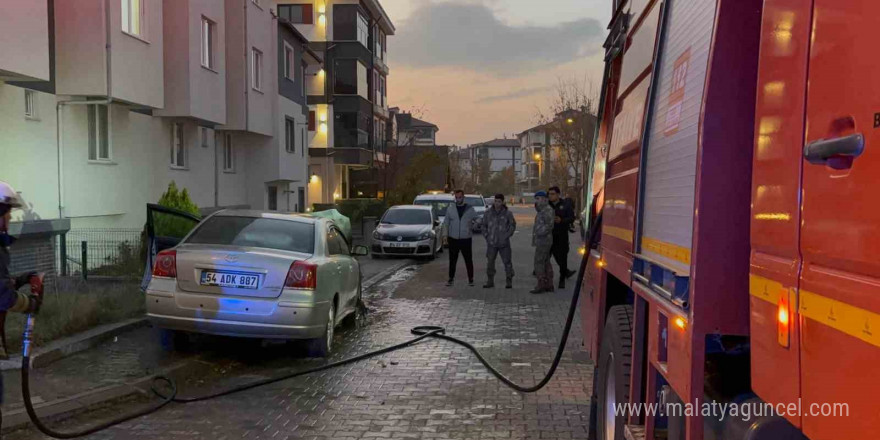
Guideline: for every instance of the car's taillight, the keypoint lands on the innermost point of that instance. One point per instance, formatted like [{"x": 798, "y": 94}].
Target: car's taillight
[
  {"x": 166, "y": 264},
  {"x": 302, "y": 275}
]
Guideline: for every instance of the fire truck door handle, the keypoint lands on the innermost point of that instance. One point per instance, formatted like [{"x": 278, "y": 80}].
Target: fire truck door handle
[{"x": 818, "y": 152}]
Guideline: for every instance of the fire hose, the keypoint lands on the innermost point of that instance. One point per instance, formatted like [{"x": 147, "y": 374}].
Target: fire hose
[{"x": 170, "y": 396}]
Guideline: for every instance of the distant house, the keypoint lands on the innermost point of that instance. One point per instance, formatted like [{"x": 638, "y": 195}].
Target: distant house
[{"x": 412, "y": 131}]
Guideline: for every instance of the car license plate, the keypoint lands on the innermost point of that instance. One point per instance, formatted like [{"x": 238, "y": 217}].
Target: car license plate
[
  {"x": 398, "y": 245},
  {"x": 229, "y": 279}
]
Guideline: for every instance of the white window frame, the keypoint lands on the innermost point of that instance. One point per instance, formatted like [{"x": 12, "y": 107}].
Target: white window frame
[
  {"x": 257, "y": 69},
  {"x": 289, "y": 63},
  {"x": 98, "y": 134},
  {"x": 363, "y": 34},
  {"x": 31, "y": 105},
  {"x": 127, "y": 7},
  {"x": 178, "y": 146},
  {"x": 228, "y": 154},
  {"x": 208, "y": 37},
  {"x": 289, "y": 134}
]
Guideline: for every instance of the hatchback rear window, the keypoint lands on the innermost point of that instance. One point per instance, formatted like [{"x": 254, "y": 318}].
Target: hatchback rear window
[{"x": 256, "y": 232}]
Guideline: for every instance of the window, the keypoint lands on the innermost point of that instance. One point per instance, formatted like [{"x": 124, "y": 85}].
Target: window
[
  {"x": 257, "y": 69},
  {"x": 133, "y": 17},
  {"x": 208, "y": 33},
  {"x": 351, "y": 129},
  {"x": 99, "y": 142},
  {"x": 336, "y": 244},
  {"x": 228, "y": 154},
  {"x": 288, "y": 62},
  {"x": 289, "y": 135},
  {"x": 305, "y": 93},
  {"x": 351, "y": 78},
  {"x": 305, "y": 143},
  {"x": 363, "y": 31},
  {"x": 178, "y": 146},
  {"x": 204, "y": 134},
  {"x": 30, "y": 104},
  {"x": 301, "y": 14},
  {"x": 378, "y": 37},
  {"x": 272, "y": 198},
  {"x": 266, "y": 233},
  {"x": 382, "y": 91}
]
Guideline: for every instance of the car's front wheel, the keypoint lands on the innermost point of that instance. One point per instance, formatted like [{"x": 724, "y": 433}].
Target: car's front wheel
[{"x": 321, "y": 347}]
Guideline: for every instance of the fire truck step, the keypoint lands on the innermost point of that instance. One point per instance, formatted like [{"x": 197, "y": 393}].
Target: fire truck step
[{"x": 634, "y": 432}]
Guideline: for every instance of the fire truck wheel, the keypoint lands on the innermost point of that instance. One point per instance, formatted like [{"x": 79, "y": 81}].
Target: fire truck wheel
[{"x": 614, "y": 372}]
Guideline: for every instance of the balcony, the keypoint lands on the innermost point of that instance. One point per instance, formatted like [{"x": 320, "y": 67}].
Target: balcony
[
  {"x": 123, "y": 61},
  {"x": 24, "y": 31},
  {"x": 195, "y": 63}
]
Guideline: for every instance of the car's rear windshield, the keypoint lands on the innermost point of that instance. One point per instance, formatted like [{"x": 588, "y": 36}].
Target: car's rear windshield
[
  {"x": 439, "y": 206},
  {"x": 407, "y": 217},
  {"x": 256, "y": 232},
  {"x": 476, "y": 202}
]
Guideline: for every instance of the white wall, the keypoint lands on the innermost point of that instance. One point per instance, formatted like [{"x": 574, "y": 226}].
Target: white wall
[
  {"x": 137, "y": 63},
  {"x": 233, "y": 185},
  {"x": 24, "y": 32},
  {"x": 262, "y": 32},
  {"x": 80, "y": 63},
  {"x": 27, "y": 147},
  {"x": 292, "y": 166}
]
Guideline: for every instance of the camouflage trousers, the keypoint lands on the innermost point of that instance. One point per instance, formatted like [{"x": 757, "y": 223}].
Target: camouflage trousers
[
  {"x": 492, "y": 253},
  {"x": 543, "y": 268}
]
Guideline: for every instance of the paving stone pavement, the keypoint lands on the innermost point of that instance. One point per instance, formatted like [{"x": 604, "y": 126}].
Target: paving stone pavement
[{"x": 434, "y": 390}]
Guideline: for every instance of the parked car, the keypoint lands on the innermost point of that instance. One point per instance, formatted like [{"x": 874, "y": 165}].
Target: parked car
[
  {"x": 410, "y": 230},
  {"x": 479, "y": 204},
  {"x": 251, "y": 274},
  {"x": 438, "y": 203}
]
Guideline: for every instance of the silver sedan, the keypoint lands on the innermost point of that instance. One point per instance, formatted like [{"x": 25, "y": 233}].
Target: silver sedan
[{"x": 258, "y": 275}]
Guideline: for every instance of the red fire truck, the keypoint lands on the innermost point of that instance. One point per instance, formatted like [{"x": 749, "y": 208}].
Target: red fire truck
[{"x": 738, "y": 256}]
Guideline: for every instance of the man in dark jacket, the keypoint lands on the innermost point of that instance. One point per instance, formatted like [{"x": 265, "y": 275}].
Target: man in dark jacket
[
  {"x": 564, "y": 217},
  {"x": 498, "y": 227},
  {"x": 10, "y": 298}
]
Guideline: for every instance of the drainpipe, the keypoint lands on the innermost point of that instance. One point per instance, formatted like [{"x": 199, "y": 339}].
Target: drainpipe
[{"x": 59, "y": 113}]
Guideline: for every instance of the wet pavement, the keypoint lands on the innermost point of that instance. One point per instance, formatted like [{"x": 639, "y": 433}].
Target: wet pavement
[{"x": 433, "y": 390}]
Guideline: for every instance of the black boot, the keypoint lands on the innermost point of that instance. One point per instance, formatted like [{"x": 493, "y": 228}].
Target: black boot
[
  {"x": 562, "y": 282},
  {"x": 509, "y": 284},
  {"x": 489, "y": 284}
]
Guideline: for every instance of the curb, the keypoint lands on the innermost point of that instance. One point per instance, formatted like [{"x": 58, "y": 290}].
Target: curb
[
  {"x": 18, "y": 417},
  {"x": 74, "y": 344}
]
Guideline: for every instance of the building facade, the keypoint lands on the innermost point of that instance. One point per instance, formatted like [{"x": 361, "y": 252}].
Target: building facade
[
  {"x": 347, "y": 95},
  {"x": 103, "y": 103},
  {"x": 412, "y": 131}
]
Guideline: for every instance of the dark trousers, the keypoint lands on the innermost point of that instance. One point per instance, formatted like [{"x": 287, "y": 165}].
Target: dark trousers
[
  {"x": 465, "y": 246},
  {"x": 560, "y": 254}
]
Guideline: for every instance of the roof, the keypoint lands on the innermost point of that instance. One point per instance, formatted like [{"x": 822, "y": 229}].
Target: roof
[
  {"x": 406, "y": 121},
  {"x": 441, "y": 197},
  {"x": 385, "y": 21},
  {"x": 507, "y": 143},
  {"x": 419, "y": 207}
]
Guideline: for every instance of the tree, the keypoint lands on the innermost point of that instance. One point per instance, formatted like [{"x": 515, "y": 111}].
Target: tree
[
  {"x": 570, "y": 121},
  {"x": 500, "y": 183},
  {"x": 170, "y": 226}
]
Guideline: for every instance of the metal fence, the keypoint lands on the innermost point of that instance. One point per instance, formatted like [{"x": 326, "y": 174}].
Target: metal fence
[{"x": 102, "y": 252}]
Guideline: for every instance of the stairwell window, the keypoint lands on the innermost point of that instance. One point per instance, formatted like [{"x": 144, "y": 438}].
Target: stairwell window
[
  {"x": 289, "y": 135},
  {"x": 257, "y": 69},
  {"x": 178, "y": 146},
  {"x": 228, "y": 154},
  {"x": 133, "y": 17},
  {"x": 30, "y": 105},
  {"x": 288, "y": 62},
  {"x": 99, "y": 140},
  {"x": 208, "y": 35}
]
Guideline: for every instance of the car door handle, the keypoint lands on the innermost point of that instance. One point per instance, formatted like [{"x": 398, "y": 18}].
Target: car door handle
[{"x": 818, "y": 152}]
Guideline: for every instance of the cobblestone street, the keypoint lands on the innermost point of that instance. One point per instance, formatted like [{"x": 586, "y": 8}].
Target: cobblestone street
[{"x": 435, "y": 390}]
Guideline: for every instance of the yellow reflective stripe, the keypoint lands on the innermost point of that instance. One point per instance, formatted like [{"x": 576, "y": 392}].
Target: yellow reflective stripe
[
  {"x": 851, "y": 320},
  {"x": 668, "y": 250},
  {"x": 765, "y": 288},
  {"x": 621, "y": 233},
  {"x": 854, "y": 321}
]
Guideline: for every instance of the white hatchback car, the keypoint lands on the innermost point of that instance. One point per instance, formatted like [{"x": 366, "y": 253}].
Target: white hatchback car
[{"x": 253, "y": 274}]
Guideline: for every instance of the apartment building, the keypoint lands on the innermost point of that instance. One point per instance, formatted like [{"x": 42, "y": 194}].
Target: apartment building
[
  {"x": 347, "y": 95},
  {"x": 103, "y": 103},
  {"x": 412, "y": 131}
]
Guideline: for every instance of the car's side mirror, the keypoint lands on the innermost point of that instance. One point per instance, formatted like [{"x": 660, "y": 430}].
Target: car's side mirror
[
  {"x": 377, "y": 222},
  {"x": 436, "y": 223},
  {"x": 360, "y": 251}
]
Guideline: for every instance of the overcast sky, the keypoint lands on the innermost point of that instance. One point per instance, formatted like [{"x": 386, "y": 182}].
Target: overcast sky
[{"x": 481, "y": 69}]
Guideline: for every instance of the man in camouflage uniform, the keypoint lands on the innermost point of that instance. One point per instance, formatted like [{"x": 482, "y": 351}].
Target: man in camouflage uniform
[
  {"x": 498, "y": 227},
  {"x": 542, "y": 240}
]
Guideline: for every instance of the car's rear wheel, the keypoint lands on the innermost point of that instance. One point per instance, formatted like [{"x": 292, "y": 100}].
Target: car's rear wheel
[{"x": 321, "y": 347}]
